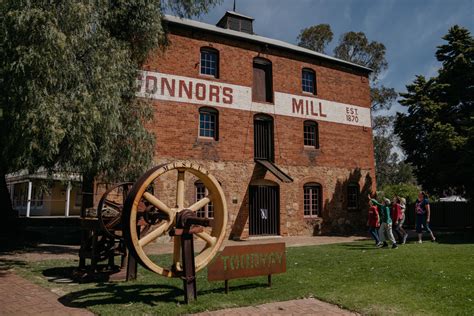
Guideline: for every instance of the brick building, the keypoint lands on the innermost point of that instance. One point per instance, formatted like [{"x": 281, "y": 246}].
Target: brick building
[{"x": 285, "y": 130}]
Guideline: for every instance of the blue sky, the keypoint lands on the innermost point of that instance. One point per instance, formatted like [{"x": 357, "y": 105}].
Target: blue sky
[{"x": 410, "y": 29}]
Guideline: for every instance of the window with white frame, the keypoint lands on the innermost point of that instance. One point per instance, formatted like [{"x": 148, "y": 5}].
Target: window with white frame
[
  {"x": 208, "y": 123},
  {"x": 308, "y": 81},
  {"x": 210, "y": 62},
  {"x": 37, "y": 198},
  {"x": 312, "y": 199},
  {"x": 311, "y": 134},
  {"x": 352, "y": 196},
  {"x": 201, "y": 192}
]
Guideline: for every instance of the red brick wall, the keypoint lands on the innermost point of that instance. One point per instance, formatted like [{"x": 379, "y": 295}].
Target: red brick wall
[
  {"x": 340, "y": 145},
  {"x": 345, "y": 154}
]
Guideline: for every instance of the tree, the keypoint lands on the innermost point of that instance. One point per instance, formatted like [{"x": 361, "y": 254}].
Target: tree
[
  {"x": 356, "y": 48},
  {"x": 315, "y": 37},
  {"x": 405, "y": 190},
  {"x": 382, "y": 97},
  {"x": 437, "y": 131},
  {"x": 68, "y": 71},
  {"x": 389, "y": 169}
]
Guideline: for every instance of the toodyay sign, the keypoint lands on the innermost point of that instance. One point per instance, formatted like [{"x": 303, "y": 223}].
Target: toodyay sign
[
  {"x": 247, "y": 261},
  {"x": 160, "y": 86}
]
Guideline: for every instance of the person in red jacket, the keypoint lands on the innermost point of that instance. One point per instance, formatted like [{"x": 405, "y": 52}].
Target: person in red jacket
[
  {"x": 396, "y": 215},
  {"x": 373, "y": 222}
]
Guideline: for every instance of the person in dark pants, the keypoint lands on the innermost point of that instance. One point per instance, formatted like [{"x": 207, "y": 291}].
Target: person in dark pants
[
  {"x": 373, "y": 222},
  {"x": 423, "y": 212}
]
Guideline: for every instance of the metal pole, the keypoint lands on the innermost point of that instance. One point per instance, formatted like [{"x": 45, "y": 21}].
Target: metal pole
[
  {"x": 12, "y": 191},
  {"x": 68, "y": 199},
  {"x": 28, "y": 203}
]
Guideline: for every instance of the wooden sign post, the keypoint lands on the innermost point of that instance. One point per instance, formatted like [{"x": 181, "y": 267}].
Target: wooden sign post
[{"x": 236, "y": 262}]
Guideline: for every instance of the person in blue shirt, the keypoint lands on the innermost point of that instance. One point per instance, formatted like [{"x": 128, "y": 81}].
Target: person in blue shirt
[
  {"x": 423, "y": 212},
  {"x": 385, "y": 230}
]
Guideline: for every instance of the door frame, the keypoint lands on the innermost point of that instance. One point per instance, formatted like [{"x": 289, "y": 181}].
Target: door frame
[
  {"x": 271, "y": 137},
  {"x": 274, "y": 228}
]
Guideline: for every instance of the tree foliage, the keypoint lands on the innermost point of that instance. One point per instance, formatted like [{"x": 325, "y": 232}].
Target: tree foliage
[
  {"x": 405, "y": 190},
  {"x": 390, "y": 169},
  {"x": 356, "y": 48},
  {"x": 67, "y": 84},
  {"x": 382, "y": 97},
  {"x": 315, "y": 37},
  {"x": 437, "y": 131}
]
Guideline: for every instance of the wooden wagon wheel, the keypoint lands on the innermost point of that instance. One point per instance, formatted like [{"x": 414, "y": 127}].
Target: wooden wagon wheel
[
  {"x": 132, "y": 216},
  {"x": 109, "y": 210}
]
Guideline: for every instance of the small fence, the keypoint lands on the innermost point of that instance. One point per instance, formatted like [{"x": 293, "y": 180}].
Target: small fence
[{"x": 445, "y": 215}]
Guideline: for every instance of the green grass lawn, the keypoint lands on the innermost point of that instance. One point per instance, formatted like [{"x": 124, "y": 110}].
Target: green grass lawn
[{"x": 431, "y": 278}]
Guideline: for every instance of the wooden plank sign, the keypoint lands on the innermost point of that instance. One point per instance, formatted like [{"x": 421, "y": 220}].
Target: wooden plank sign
[{"x": 247, "y": 261}]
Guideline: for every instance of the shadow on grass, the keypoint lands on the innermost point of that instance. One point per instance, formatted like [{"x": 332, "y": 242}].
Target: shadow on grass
[
  {"x": 115, "y": 293},
  {"x": 148, "y": 294},
  {"x": 455, "y": 238},
  {"x": 357, "y": 246},
  {"x": 7, "y": 264},
  {"x": 74, "y": 275},
  {"x": 40, "y": 249}
]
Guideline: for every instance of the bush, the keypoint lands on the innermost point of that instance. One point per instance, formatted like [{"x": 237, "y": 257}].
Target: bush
[{"x": 408, "y": 191}]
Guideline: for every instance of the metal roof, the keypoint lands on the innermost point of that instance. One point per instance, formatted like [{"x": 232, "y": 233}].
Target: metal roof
[
  {"x": 258, "y": 39},
  {"x": 42, "y": 173}
]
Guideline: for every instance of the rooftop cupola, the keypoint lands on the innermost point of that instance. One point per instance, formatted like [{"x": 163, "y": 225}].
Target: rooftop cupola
[{"x": 237, "y": 22}]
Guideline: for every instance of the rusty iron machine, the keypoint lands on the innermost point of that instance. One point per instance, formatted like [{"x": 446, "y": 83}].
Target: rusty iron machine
[{"x": 102, "y": 238}]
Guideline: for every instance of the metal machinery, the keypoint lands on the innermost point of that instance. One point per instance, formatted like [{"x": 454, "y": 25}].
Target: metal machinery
[
  {"x": 102, "y": 238},
  {"x": 146, "y": 216}
]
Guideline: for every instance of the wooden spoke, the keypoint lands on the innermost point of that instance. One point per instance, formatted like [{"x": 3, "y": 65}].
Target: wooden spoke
[
  {"x": 210, "y": 240},
  {"x": 157, "y": 203},
  {"x": 201, "y": 203},
  {"x": 180, "y": 190},
  {"x": 140, "y": 201},
  {"x": 153, "y": 234}
]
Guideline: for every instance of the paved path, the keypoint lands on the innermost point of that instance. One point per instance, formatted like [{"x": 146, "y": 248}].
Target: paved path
[
  {"x": 21, "y": 297},
  {"x": 165, "y": 244},
  {"x": 308, "y": 306}
]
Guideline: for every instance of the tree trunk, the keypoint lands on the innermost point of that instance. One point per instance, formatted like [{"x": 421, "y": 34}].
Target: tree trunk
[
  {"x": 87, "y": 193},
  {"x": 8, "y": 217}
]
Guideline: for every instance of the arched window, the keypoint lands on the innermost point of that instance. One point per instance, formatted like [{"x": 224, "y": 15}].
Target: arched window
[
  {"x": 209, "y": 123},
  {"x": 313, "y": 195},
  {"x": 210, "y": 62},
  {"x": 311, "y": 134},
  {"x": 262, "y": 89},
  {"x": 308, "y": 80},
  {"x": 201, "y": 192},
  {"x": 352, "y": 196}
]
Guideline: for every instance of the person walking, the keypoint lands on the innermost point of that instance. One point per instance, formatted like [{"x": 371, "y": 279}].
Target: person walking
[
  {"x": 423, "y": 213},
  {"x": 373, "y": 222},
  {"x": 385, "y": 230},
  {"x": 396, "y": 216},
  {"x": 403, "y": 204}
]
